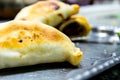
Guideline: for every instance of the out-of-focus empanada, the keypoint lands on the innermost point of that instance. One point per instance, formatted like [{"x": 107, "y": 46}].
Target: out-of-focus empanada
[
  {"x": 75, "y": 26},
  {"x": 27, "y": 43},
  {"x": 51, "y": 12}
]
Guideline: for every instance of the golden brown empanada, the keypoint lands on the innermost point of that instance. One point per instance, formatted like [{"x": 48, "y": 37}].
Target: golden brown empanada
[
  {"x": 28, "y": 43},
  {"x": 59, "y": 15},
  {"x": 51, "y": 12}
]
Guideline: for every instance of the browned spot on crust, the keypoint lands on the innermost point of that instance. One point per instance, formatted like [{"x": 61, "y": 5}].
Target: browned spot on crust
[
  {"x": 35, "y": 36},
  {"x": 59, "y": 14},
  {"x": 56, "y": 6},
  {"x": 20, "y": 41}
]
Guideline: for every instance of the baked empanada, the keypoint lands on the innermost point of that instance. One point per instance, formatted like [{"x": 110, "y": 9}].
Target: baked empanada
[
  {"x": 28, "y": 43},
  {"x": 51, "y": 12},
  {"x": 57, "y": 14}
]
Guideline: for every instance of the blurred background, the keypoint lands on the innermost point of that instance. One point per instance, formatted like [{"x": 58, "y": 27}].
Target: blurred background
[{"x": 98, "y": 12}]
